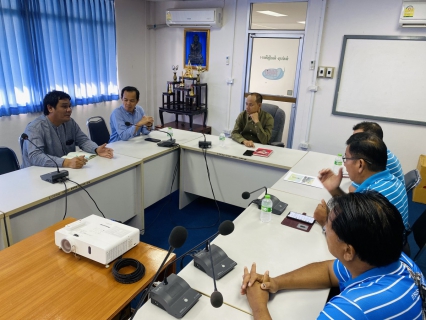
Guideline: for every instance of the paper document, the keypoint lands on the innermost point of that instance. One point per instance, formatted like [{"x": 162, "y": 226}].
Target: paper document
[
  {"x": 303, "y": 179},
  {"x": 72, "y": 155}
]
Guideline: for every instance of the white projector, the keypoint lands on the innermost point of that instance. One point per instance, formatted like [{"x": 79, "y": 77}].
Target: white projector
[{"x": 97, "y": 238}]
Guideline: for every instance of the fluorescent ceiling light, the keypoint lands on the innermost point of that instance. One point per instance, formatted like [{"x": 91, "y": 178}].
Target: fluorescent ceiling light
[
  {"x": 272, "y": 13},
  {"x": 302, "y": 22}
]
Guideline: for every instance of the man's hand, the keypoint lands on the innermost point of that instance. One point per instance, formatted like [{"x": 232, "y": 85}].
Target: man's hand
[
  {"x": 330, "y": 180},
  {"x": 255, "y": 117},
  {"x": 249, "y": 279},
  {"x": 105, "y": 152},
  {"x": 75, "y": 163},
  {"x": 248, "y": 143},
  {"x": 321, "y": 212},
  {"x": 145, "y": 121}
]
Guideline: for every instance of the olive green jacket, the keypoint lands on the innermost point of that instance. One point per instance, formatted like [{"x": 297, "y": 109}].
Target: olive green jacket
[{"x": 246, "y": 129}]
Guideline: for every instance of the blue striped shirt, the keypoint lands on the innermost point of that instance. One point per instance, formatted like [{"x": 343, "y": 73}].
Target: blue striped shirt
[
  {"x": 118, "y": 119},
  {"x": 389, "y": 186},
  {"x": 380, "y": 293},
  {"x": 394, "y": 167}
]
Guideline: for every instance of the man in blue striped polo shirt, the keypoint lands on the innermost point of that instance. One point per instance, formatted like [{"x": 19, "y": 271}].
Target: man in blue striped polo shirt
[
  {"x": 392, "y": 164},
  {"x": 364, "y": 231},
  {"x": 365, "y": 161}
]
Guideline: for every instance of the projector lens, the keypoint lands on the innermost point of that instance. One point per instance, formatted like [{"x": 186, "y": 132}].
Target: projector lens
[{"x": 66, "y": 245}]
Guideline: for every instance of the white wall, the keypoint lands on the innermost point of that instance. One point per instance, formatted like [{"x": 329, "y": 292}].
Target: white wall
[{"x": 328, "y": 132}]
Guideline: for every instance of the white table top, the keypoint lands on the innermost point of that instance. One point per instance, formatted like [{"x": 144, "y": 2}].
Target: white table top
[
  {"x": 137, "y": 147},
  {"x": 310, "y": 165},
  {"x": 201, "y": 310},
  {"x": 281, "y": 157},
  {"x": 24, "y": 188},
  {"x": 273, "y": 247}
]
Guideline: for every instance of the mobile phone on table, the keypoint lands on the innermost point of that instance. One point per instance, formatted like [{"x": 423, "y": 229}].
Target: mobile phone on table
[
  {"x": 248, "y": 153},
  {"x": 301, "y": 217}
]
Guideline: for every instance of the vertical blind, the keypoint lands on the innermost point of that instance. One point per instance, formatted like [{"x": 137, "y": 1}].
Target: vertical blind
[{"x": 66, "y": 45}]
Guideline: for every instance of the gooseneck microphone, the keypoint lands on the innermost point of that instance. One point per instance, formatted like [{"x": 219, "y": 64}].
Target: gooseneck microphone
[
  {"x": 169, "y": 294},
  {"x": 53, "y": 177},
  {"x": 216, "y": 299},
  {"x": 176, "y": 240},
  {"x": 165, "y": 143},
  {"x": 247, "y": 194},
  {"x": 278, "y": 207},
  {"x": 204, "y": 144}
]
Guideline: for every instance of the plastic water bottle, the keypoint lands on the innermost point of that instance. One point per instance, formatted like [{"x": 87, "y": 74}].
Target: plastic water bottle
[
  {"x": 222, "y": 139},
  {"x": 266, "y": 209},
  {"x": 170, "y": 131},
  {"x": 338, "y": 163}
]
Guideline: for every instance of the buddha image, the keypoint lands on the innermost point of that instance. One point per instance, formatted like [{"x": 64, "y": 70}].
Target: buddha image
[{"x": 195, "y": 52}]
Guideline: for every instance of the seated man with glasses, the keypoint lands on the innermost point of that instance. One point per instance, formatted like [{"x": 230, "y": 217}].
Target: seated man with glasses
[
  {"x": 57, "y": 134},
  {"x": 365, "y": 161},
  {"x": 392, "y": 164}
]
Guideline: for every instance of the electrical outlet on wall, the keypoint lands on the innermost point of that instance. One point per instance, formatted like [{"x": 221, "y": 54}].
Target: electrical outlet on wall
[
  {"x": 321, "y": 72},
  {"x": 329, "y": 72}
]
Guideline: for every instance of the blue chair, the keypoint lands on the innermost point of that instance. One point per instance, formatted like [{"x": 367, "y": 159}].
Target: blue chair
[
  {"x": 98, "y": 130},
  {"x": 8, "y": 160},
  {"x": 412, "y": 179},
  {"x": 279, "y": 121}
]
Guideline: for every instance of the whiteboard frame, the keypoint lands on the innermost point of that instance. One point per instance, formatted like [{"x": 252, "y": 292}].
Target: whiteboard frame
[{"x": 336, "y": 111}]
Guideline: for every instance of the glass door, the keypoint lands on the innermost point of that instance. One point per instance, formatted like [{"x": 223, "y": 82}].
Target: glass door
[{"x": 273, "y": 66}]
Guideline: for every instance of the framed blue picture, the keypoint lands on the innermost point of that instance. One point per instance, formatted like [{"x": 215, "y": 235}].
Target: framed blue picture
[{"x": 196, "y": 48}]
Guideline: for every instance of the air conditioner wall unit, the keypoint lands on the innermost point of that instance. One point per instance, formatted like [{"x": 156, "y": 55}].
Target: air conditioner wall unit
[
  {"x": 206, "y": 17},
  {"x": 413, "y": 14}
]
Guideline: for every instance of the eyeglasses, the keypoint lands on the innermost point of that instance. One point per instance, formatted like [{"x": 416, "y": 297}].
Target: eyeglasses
[{"x": 344, "y": 159}]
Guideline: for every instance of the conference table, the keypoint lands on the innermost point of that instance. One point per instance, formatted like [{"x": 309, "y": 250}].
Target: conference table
[
  {"x": 31, "y": 204},
  {"x": 201, "y": 310},
  {"x": 274, "y": 247},
  {"x": 231, "y": 172},
  {"x": 158, "y": 163},
  {"x": 310, "y": 165},
  {"x": 40, "y": 281}
]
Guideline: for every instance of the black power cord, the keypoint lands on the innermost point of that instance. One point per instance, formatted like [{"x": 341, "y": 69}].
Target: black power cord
[
  {"x": 88, "y": 195},
  {"x": 66, "y": 198},
  {"x": 130, "y": 277}
]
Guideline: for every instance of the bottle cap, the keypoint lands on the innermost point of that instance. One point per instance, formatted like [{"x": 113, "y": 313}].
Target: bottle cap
[
  {"x": 267, "y": 196},
  {"x": 339, "y": 154}
]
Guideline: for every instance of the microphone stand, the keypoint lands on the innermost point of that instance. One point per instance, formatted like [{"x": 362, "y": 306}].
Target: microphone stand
[
  {"x": 204, "y": 144},
  {"x": 165, "y": 143},
  {"x": 53, "y": 177}
]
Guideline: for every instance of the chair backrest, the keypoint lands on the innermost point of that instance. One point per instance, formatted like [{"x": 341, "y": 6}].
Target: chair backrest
[
  {"x": 98, "y": 130},
  {"x": 412, "y": 179},
  {"x": 279, "y": 120},
  {"x": 8, "y": 160},
  {"x": 419, "y": 232}
]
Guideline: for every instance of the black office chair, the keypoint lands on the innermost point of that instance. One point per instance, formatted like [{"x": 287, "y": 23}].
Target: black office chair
[
  {"x": 8, "y": 160},
  {"x": 98, "y": 130},
  {"x": 412, "y": 179},
  {"x": 418, "y": 230},
  {"x": 279, "y": 121}
]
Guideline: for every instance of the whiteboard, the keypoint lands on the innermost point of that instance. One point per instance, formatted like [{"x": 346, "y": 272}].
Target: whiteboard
[{"x": 383, "y": 78}]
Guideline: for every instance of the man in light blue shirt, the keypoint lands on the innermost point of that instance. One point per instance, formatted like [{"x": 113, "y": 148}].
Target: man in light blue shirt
[
  {"x": 364, "y": 231},
  {"x": 57, "y": 134},
  {"x": 129, "y": 120}
]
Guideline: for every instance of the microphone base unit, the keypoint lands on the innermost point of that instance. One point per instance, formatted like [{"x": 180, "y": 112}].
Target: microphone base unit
[
  {"x": 204, "y": 144},
  {"x": 278, "y": 207},
  {"x": 167, "y": 143},
  {"x": 55, "y": 176},
  {"x": 222, "y": 264},
  {"x": 176, "y": 298}
]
